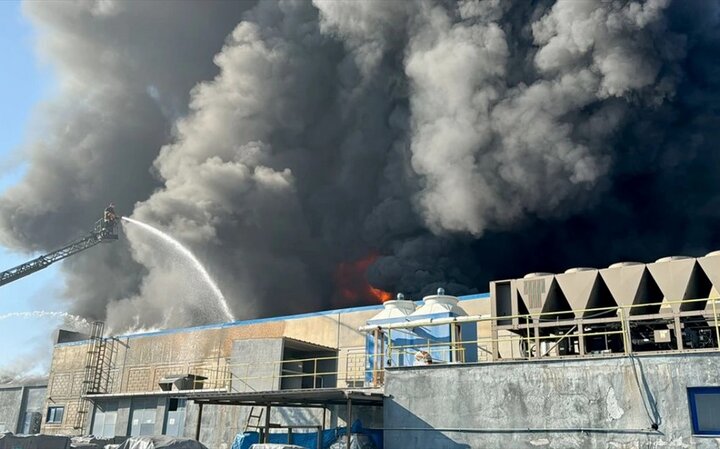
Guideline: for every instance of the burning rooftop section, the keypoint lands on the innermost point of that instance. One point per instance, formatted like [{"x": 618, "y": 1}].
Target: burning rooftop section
[{"x": 352, "y": 285}]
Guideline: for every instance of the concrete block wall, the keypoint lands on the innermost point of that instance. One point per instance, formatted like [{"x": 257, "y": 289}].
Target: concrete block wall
[
  {"x": 16, "y": 401},
  {"x": 547, "y": 404}
]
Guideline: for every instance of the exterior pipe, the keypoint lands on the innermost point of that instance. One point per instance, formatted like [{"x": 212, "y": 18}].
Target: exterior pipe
[
  {"x": 519, "y": 430},
  {"x": 423, "y": 322}
]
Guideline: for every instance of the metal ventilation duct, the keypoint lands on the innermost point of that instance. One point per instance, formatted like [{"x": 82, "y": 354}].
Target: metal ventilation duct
[
  {"x": 632, "y": 284},
  {"x": 710, "y": 265},
  {"x": 672, "y": 275},
  {"x": 681, "y": 278},
  {"x": 585, "y": 289},
  {"x": 623, "y": 284},
  {"x": 541, "y": 294}
]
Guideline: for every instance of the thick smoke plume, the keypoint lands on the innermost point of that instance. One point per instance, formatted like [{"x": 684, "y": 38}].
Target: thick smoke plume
[{"x": 459, "y": 141}]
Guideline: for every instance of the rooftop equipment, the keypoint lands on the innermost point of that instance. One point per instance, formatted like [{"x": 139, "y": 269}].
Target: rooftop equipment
[
  {"x": 376, "y": 342},
  {"x": 669, "y": 296},
  {"x": 446, "y": 341}
]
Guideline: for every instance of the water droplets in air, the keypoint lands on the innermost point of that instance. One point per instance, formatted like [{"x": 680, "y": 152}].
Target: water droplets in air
[
  {"x": 221, "y": 309},
  {"x": 75, "y": 322}
]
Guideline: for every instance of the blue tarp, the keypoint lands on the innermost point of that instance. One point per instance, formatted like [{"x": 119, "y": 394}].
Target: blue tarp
[
  {"x": 305, "y": 439},
  {"x": 308, "y": 439}
]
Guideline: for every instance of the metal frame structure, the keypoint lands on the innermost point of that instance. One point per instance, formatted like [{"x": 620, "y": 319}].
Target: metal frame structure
[
  {"x": 104, "y": 231},
  {"x": 533, "y": 337}
]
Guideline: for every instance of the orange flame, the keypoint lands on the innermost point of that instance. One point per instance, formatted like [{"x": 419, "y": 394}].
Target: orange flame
[
  {"x": 382, "y": 295},
  {"x": 352, "y": 284}
]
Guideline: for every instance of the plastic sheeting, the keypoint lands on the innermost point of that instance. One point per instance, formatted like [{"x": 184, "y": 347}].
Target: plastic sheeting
[
  {"x": 357, "y": 441},
  {"x": 160, "y": 442},
  {"x": 10, "y": 441},
  {"x": 90, "y": 442},
  {"x": 307, "y": 440},
  {"x": 275, "y": 446}
]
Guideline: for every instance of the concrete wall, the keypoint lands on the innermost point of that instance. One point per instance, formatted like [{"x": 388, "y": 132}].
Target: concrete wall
[
  {"x": 10, "y": 402},
  {"x": 249, "y": 364},
  {"x": 15, "y": 402},
  {"x": 507, "y": 405}
]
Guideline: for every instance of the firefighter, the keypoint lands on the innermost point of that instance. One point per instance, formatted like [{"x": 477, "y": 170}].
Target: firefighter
[{"x": 110, "y": 216}]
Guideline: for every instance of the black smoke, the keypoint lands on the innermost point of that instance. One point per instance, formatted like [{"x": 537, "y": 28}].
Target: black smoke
[{"x": 462, "y": 141}]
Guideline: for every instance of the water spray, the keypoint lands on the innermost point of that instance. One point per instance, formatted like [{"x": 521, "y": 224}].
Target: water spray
[
  {"x": 179, "y": 247},
  {"x": 74, "y": 320}
]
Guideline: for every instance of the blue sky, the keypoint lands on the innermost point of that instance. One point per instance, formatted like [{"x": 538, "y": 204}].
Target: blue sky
[{"x": 23, "y": 84}]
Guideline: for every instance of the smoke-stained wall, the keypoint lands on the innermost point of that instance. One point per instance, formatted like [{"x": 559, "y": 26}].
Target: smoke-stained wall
[{"x": 458, "y": 141}]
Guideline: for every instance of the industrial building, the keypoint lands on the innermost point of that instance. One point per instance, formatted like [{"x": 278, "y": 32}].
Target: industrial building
[{"x": 625, "y": 356}]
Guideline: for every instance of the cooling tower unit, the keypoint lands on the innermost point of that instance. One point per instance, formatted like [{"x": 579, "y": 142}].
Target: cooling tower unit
[
  {"x": 628, "y": 307},
  {"x": 710, "y": 265},
  {"x": 681, "y": 278},
  {"x": 631, "y": 284},
  {"x": 586, "y": 292},
  {"x": 542, "y": 297},
  {"x": 447, "y": 343},
  {"x": 376, "y": 342}
]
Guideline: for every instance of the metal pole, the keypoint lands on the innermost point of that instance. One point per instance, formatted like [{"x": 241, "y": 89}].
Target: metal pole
[
  {"x": 199, "y": 422},
  {"x": 389, "y": 351},
  {"x": 678, "y": 333},
  {"x": 315, "y": 373},
  {"x": 453, "y": 341},
  {"x": 321, "y": 433},
  {"x": 623, "y": 326},
  {"x": 349, "y": 422},
  {"x": 267, "y": 425},
  {"x": 375, "y": 357},
  {"x": 495, "y": 350},
  {"x": 527, "y": 335},
  {"x": 717, "y": 330}
]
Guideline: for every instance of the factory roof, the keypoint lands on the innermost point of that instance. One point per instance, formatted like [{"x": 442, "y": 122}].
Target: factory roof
[{"x": 263, "y": 320}]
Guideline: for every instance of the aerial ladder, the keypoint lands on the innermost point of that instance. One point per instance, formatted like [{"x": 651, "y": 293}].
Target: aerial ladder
[{"x": 105, "y": 230}]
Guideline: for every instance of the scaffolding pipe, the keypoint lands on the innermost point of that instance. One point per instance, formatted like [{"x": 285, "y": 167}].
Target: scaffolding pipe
[{"x": 425, "y": 322}]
